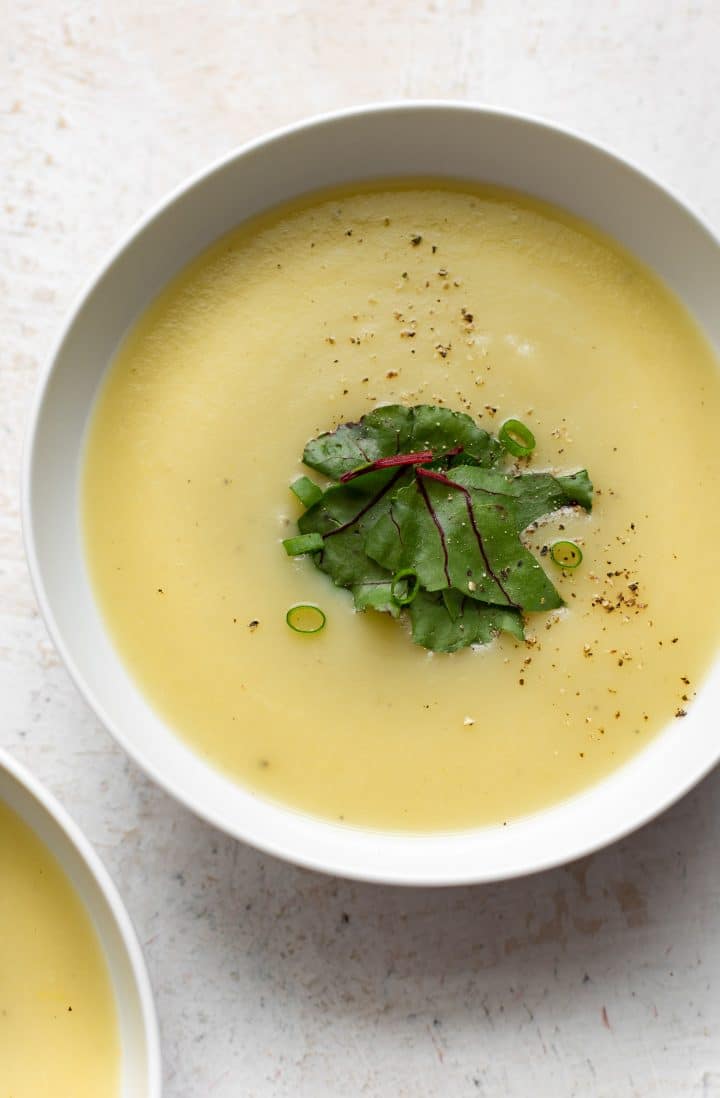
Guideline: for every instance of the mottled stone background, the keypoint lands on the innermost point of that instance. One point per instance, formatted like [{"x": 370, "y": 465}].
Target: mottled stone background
[{"x": 596, "y": 980}]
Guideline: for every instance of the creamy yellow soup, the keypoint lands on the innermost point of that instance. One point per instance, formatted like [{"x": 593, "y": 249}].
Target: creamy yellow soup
[
  {"x": 58, "y": 1027},
  {"x": 477, "y": 299}
]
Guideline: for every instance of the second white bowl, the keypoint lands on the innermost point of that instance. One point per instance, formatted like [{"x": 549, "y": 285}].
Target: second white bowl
[{"x": 140, "y": 1044}]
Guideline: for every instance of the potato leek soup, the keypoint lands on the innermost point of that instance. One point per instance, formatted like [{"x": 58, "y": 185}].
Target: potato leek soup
[
  {"x": 58, "y": 1034},
  {"x": 437, "y": 301}
]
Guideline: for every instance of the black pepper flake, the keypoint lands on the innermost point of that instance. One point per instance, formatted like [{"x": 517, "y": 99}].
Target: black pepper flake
[
  {"x": 415, "y": 240},
  {"x": 681, "y": 712},
  {"x": 252, "y": 625}
]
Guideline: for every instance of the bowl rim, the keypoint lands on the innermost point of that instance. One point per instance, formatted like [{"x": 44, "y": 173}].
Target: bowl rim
[
  {"x": 444, "y": 874},
  {"x": 34, "y": 790}
]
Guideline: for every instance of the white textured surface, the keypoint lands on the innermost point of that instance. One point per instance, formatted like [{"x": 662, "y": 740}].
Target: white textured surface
[{"x": 596, "y": 980}]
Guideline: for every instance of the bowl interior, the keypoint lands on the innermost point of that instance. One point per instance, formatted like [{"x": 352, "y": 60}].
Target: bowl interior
[
  {"x": 423, "y": 140},
  {"x": 136, "y": 1015}
]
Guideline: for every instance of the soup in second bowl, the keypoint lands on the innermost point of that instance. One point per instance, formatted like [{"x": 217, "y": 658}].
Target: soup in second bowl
[{"x": 58, "y": 1024}]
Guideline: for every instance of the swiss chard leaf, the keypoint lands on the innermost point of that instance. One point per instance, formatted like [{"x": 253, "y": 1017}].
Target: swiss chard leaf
[
  {"x": 456, "y": 532},
  {"x": 470, "y": 622},
  {"x": 395, "y": 429},
  {"x": 539, "y": 494},
  {"x": 344, "y": 516}
]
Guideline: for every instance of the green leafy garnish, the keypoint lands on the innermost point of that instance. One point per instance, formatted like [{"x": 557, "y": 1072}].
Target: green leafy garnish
[
  {"x": 396, "y": 430},
  {"x": 472, "y": 622},
  {"x": 423, "y": 521}
]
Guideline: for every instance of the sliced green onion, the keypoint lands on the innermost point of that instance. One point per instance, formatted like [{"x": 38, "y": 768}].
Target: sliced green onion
[
  {"x": 517, "y": 439},
  {"x": 408, "y": 578},
  {"x": 566, "y": 554},
  {"x": 303, "y": 543},
  {"x": 305, "y": 618},
  {"x": 306, "y": 490}
]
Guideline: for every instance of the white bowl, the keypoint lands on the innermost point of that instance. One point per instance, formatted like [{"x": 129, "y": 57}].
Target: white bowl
[
  {"x": 454, "y": 140},
  {"x": 140, "y": 1071}
]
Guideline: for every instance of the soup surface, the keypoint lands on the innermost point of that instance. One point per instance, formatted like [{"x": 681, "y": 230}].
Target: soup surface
[
  {"x": 58, "y": 1029},
  {"x": 483, "y": 301}
]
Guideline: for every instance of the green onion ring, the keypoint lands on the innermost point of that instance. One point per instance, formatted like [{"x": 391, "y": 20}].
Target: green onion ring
[
  {"x": 307, "y": 491},
  {"x": 566, "y": 554},
  {"x": 294, "y": 618},
  {"x": 413, "y": 586},
  {"x": 517, "y": 439},
  {"x": 303, "y": 543}
]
